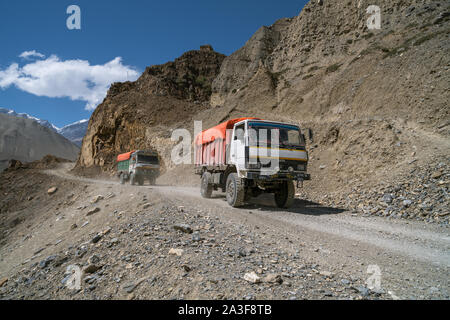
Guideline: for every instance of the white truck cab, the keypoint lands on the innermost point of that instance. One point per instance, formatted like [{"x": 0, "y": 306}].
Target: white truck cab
[{"x": 268, "y": 148}]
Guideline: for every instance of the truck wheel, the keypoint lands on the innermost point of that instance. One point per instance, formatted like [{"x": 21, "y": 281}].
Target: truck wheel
[
  {"x": 152, "y": 181},
  {"x": 284, "y": 197},
  {"x": 235, "y": 190},
  {"x": 133, "y": 179},
  {"x": 206, "y": 188},
  {"x": 140, "y": 180},
  {"x": 122, "y": 178}
]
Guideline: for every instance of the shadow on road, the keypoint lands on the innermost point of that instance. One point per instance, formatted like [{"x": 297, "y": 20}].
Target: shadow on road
[{"x": 265, "y": 202}]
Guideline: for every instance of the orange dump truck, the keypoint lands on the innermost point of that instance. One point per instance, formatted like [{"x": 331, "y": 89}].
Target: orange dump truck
[{"x": 248, "y": 156}]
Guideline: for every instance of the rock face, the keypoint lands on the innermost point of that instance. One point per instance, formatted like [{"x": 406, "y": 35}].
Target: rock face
[
  {"x": 327, "y": 63},
  {"x": 134, "y": 113}
]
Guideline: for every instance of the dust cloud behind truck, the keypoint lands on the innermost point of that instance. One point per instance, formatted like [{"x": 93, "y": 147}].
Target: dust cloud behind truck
[{"x": 246, "y": 157}]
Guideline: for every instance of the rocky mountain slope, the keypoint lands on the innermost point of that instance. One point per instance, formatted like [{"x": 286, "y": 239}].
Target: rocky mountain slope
[
  {"x": 26, "y": 140},
  {"x": 375, "y": 101},
  {"x": 327, "y": 63}
]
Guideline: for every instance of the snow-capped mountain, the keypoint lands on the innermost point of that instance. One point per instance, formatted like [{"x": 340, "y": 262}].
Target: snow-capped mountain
[
  {"x": 44, "y": 123},
  {"x": 73, "y": 132},
  {"x": 26, "y": 140}
]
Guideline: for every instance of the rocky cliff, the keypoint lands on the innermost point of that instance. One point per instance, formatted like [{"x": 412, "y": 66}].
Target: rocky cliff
[
  {"x": 140, "y": 114},
  {"x": 327, "y": 63}
]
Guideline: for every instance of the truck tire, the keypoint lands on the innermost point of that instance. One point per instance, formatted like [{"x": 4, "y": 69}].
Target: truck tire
[
  {"x": 133, "y": 179},
  {"x": 206, "y": 188},
  {"x": 235, "y": 190},
  {"x": 152, "y": 181},
  {"x": 140, "y": 180},
  {"x": 284, "y": 197},
  {"x": 122, "y": 178}
]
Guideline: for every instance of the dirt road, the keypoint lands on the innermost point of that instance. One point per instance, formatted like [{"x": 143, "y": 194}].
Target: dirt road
[{"x": 412, "y": 258}]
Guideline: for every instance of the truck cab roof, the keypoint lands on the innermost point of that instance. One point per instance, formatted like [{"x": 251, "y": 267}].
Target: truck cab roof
[
  {"x": 268, "y": 121},
  {"x": 149, "y": 152},
  {"x": 127, "y": 155}
]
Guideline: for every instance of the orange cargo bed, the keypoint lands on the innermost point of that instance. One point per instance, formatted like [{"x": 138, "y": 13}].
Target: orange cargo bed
[
  {"x": 211, "y": 144},
  {"x": 124, "y": 156}
]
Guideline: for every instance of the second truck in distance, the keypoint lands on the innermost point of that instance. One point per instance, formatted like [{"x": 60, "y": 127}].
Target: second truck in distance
[{"x": 138, "y": 166}]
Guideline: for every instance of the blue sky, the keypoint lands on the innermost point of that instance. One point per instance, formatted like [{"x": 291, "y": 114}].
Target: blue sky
[{"x": 141, "y": 32}]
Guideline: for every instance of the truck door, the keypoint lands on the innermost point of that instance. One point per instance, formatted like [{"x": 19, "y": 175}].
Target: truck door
[
  {"x": 238, "y": 147},
  {"x": 133, "y": 163}
]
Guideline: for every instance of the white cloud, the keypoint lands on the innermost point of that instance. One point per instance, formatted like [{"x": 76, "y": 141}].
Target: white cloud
[
  {"x": 74, "y": 79},
  {"x": 29, "y": 54}
]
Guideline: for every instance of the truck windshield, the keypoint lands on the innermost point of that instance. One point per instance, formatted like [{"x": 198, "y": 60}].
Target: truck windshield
[
  {"x": 261, "y": 134},
  {"x": 147, "y": 159}
]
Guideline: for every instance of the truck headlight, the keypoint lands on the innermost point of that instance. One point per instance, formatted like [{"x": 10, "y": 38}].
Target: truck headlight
[{"x": 290, "y": 169}]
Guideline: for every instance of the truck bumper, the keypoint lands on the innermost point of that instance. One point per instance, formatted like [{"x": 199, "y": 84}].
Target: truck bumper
[
  {"x": 298, "y": 176},
  {"x": 147, "y": 172}
]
